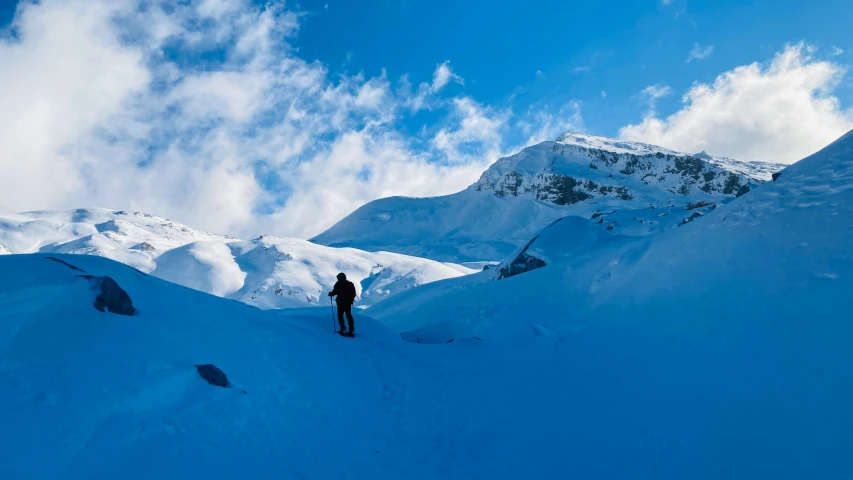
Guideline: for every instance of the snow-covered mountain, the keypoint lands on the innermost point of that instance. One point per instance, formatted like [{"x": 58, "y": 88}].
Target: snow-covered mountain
[
  {"x": 706, "y": 340},
  {"x": 782, "y": 254},
  {"x": 577, "y": 174},
  {"x": 267, "y": 272}
]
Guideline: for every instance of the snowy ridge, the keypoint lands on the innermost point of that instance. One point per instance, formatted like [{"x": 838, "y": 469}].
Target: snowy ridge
[
  {"x": 518, "y": 195},
  {"x": 756, "y": 170},
  {"x": 132, "y": 238},
  {"x": 597, "y": 142},
  {"x": 759, "y": 170},
  {"x": 267, "y": 272}
]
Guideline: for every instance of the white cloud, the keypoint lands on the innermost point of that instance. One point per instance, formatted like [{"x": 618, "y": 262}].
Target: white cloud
[
  {"x": 699, "y": 52},
  {"x": 60, "y": 81},
  {"x": 779, "y": 112},
  {"x": 442, "y": 76},
  {"x": 425, "y": 97},
  {"x": 603, "y": 94},
  {"x": 582, "y": 69},
  {"x": 541, "y": 124},
  {"x": 251, "y": 140},
  {"x": 656, "y": 91},
  {"x": 476, "y": 134},
  {"x": 652, "y": 93},
  {"x": 836, "y": 51}
]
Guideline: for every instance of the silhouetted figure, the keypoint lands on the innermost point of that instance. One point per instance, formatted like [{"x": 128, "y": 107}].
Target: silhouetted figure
[{"x": 345, "y": 292}]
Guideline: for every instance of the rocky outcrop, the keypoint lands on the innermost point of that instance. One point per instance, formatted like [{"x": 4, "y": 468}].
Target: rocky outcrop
[
  {"x": 689, "y": 219},
  {"x": 523, "y": 262},
  {"x": 4, "y": 250},
  {"x": 213, "y": 375},
  {"x": 110, "y": 296},
  {"x": 613, "y": 174},
  {"x": 145, "y": 247},
  {"x": 694, "y": 206},
  {"x": 72, "y": 267}
]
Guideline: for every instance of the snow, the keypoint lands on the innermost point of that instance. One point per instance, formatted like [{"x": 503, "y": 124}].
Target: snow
[
  {"x": 757, "y": 170},
  {"x": 715, "y": 349},
  {"x": 611, "y": 144},
  {"x": 96, "y": 395},
  {"x": 267, "y": 272},
  {"x": 522, "y": 193}
]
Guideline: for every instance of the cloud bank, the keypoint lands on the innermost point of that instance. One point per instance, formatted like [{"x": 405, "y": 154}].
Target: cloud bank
[
  {"x": 780, "y": 112},
  {"x": 202, "y": 111}
]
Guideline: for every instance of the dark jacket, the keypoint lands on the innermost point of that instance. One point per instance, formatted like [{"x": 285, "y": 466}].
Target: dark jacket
[{"x": 345, "y": 291}]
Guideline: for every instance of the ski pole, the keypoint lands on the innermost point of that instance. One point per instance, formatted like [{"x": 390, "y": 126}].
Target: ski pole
[{"x": 331, "y": 304}]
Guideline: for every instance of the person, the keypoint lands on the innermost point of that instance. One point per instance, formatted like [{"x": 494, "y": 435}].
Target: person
[{"x": 345, "y": 291}]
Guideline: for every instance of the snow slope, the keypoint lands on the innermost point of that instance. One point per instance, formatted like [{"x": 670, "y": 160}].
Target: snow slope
[
  {"x": 267, "y": 272},
  {"x": 101, "y": 396},
  {"x": 518, "y": 195},
  {"x": 725, "y": 342}
]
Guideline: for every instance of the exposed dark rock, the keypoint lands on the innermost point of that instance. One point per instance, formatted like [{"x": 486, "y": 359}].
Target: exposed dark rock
[
  {"x": 72, "y": 267},
  {"x": 732, "y": 185},
  {"x": 560, "y": 190},
  {"x": 610, "y": 227},
  {"x": 630, "y": 166},
  {"x": 522, "y": 263},
  {"x": 693, "y": 206},
  {"x": 146, "y": 247},
  {"x": 596, "y": 215},
  {"x": 487, "y": 267},
  {"x": 689, "y": 166},
  {"x": 511, "y": 184},
  {"x": 213, "y": 375},
  {"x": 776, "y": 175},
  {"x": 110, "y": 297},
  {"x": 690, "y": 218},
  {"x": 743, "y": 191}
]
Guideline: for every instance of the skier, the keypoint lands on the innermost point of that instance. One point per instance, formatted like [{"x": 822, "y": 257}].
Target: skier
[{"x": 345, "y": 291}]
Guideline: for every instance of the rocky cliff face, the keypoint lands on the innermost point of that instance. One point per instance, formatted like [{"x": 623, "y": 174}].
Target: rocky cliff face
[{"x": 571, "y": 173}]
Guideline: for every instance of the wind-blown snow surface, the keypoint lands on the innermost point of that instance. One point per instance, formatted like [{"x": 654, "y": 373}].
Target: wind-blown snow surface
[
  {"x": 101, "y": 396},
  {"x": 518, "y": 195},
  {"x": 719, "y": 349},
  {"x": 267, "y": 272}
]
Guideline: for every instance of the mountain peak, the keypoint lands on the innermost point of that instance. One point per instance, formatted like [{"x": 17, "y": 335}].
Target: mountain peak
[{"x": 614, "y": 145}]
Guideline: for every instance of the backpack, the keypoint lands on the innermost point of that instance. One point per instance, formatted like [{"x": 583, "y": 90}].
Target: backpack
[{"x": 348, "y": 292}]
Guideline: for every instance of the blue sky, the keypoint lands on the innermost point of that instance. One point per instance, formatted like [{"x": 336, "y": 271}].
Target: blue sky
[
  {"x": 580, "y": 48},
  {"x": 281, "y": 118}
]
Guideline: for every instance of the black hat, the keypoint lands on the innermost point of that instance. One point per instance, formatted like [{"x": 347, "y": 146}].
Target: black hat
[{"x": 342, "y": 276}]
